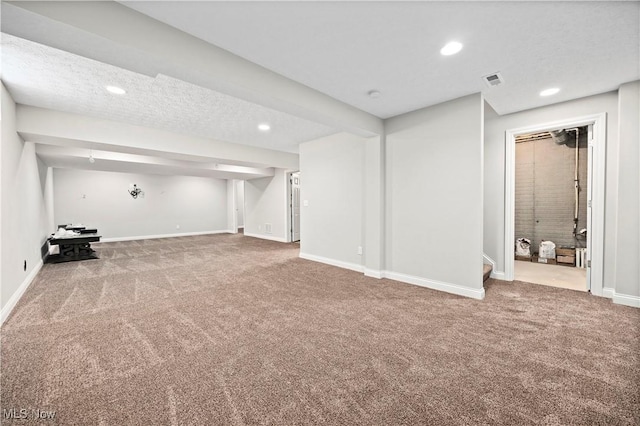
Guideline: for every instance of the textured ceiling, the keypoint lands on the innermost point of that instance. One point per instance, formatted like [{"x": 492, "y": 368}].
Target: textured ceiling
[
  {"x": 42, "y": 76},
  {"x": 345, "y": 49}
]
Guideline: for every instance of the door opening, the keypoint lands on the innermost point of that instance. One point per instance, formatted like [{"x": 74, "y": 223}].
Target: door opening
[
  {"x": 294, "y": 181},
  {"x": 551, "y": 183},
  {"x": 593, "y": 204}
]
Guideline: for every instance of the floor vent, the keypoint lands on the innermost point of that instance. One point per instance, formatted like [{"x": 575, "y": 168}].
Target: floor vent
[{"x": 494, "y": 79}]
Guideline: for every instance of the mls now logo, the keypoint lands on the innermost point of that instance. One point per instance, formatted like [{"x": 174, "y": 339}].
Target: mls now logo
[
  {"x": 13, "y": 413},
  {"x": 23, "y": 414}
]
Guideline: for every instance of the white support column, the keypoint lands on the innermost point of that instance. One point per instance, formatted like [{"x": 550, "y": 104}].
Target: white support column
[
  {"x": 232, "y": 225},
  {"x": 48, "y": 199},
  {"x": 374, "y": 201}
]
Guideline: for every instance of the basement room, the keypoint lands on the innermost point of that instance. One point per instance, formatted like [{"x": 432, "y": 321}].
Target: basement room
[{"x": 320, "y": 213}]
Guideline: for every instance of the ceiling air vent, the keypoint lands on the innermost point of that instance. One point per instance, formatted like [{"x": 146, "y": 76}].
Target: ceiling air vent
[{"x": 494, "y": 79}]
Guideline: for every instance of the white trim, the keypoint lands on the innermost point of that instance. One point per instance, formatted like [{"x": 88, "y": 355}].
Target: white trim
[
  {"x": 489, "y": 260},
  {"x": 373, "y": 273},
  {"x": 437, "y": 285},
  {"x": 627, "y": 300},
  {"x": 288, "y": 208},
  {"x": 608, "y": 292},
  {"x": 599, "y": 122},
  {"x": 333, "y": 262},
  {"x": 498, "y": 275},
  {"x": 152, "y": 237},
  {"x": 266, "y": 237},
  {"x": 15, "y": 297},
  {"x": 409, "y": 279}
]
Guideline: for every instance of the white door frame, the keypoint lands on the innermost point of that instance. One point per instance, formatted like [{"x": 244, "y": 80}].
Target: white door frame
[
  {"x": 290, "y": 203},
  {"x": 595, "y": 250}
]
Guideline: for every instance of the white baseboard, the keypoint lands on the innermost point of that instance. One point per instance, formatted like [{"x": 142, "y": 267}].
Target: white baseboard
[
  {"x": 627, "y": 300},
  {"x": 15, "y": 297},
  {"x": 498, "y": 275},
  {"x": 437, "y": 285},
  {"x": 267, "y": 237},
  {"x": 422, "y": 282},
  {"x": 152, "y": 237},
  {"x": 373, "y": 273},
  {"x": 333, "y": 262},
  {"x": 621, "y": 299}
]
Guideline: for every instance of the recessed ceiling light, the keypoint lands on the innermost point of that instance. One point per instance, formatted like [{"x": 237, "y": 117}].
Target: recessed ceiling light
[
  {"x": 451, "y": 48},
  {"x": 374, "y": 94},
  {"x": 264, "y": 127},
  {"x": 115, "y": 90},
  {"x": 549, "y": 92}
]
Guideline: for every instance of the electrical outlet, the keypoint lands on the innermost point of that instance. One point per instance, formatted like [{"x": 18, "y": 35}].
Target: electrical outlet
[
  {"x": 25, "y": 265},
  {"x": 259, "y": 227},
  {"x": 177, "y": 226},
  {"x": 360, "y": 250},
  {"x": 305, "y": 203}
]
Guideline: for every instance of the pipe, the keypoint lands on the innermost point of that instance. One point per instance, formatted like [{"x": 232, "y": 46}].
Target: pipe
[{"x": 576, "y": 183}]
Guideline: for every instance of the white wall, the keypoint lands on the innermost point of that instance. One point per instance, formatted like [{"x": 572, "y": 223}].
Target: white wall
[
  {"x": 492, "y": 218},
  {"x": 494, "y": 199},
  {"x": 49, "y": 199},
  {"x": 265, "y": 202},
  {"x": 374, "y": 206},
  {"x": 627, "y": 273},
  {"x": 100, "y": 199},
  {"x": 331, "y": 181},
  {"x": 231, "y": 206},
  {"x": 24, "y": 217},
  {"x": 434, "y": 196}
]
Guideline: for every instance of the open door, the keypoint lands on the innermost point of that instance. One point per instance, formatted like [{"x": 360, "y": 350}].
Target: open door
[
  {"x": 589, "y": 197},
  {"x": 295, "y": 206}
]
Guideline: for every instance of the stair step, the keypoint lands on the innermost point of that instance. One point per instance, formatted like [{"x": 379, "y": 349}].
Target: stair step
[{"x": 486, "y": 272}]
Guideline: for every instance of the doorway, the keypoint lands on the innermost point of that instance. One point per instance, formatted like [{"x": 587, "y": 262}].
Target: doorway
[
  {"x": 591, "y": 235},
  {"x": 551, "y": 181},
  {"x": 240, "y": 206},
  {"x": 294, "y": 181}
]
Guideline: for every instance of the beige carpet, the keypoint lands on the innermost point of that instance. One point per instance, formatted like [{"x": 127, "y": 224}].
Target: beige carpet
[{"x": 229, "y": 329}]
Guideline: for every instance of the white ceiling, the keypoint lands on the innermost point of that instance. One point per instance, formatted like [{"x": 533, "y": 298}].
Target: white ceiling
[
  {"x": 42, "y": 76},
  {"x": 345, "y": 49},
  {"x": 331, "y": 53}
]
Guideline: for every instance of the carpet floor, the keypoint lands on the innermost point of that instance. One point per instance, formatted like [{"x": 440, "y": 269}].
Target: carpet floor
[{"x": 232, "y": 330}]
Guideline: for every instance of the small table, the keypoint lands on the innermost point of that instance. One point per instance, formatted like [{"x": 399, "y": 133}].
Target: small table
[{"x": 73, "y": 247}]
